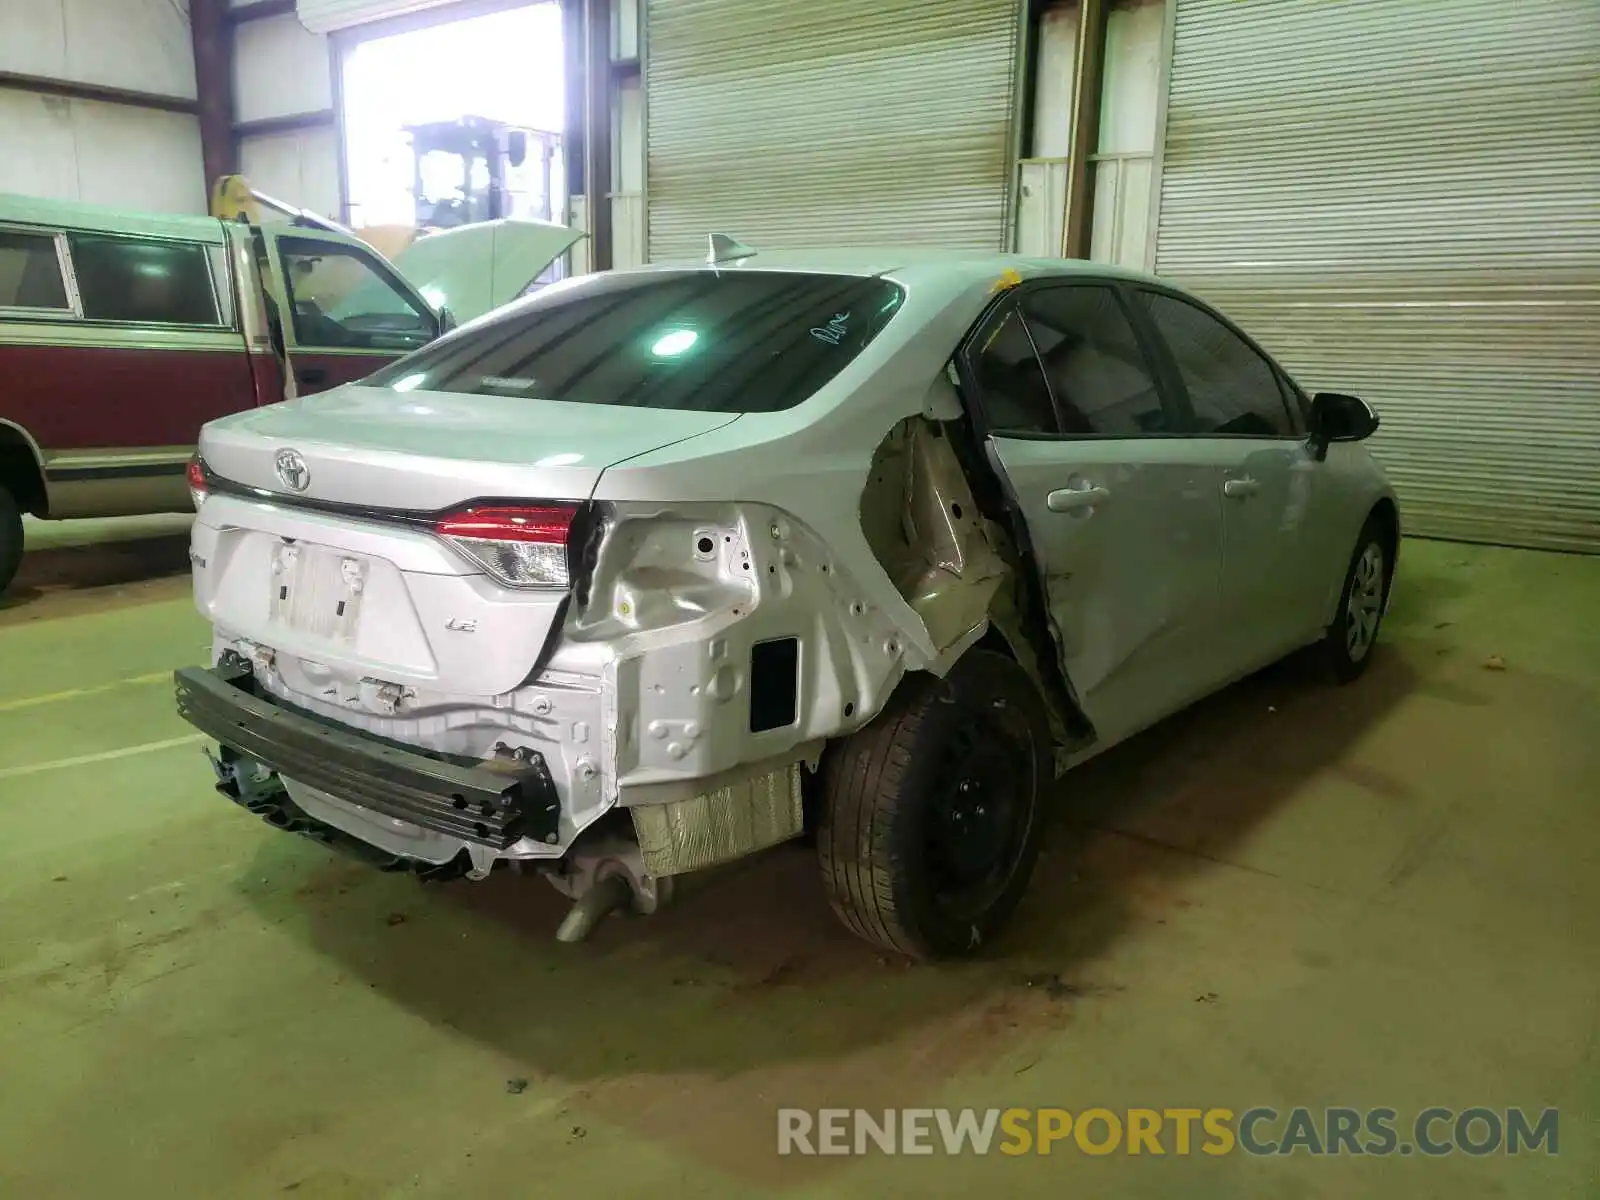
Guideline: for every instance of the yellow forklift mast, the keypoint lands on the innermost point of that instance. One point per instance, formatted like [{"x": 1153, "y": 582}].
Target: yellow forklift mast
[{"x": 233, "y": 199}]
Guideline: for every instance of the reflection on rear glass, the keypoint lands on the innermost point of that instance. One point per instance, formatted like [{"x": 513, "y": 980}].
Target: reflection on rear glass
[{"x": 702, "y": 340}]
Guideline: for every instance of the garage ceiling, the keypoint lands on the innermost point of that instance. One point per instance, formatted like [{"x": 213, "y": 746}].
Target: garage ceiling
[{"x": 325, "y": 16}]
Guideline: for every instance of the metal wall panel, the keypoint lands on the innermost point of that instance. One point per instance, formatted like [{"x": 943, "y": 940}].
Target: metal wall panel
[
  {"x": 1401, "y": 199},
  {"x": 141, "y": 45},
  {"x": 301, "y": 168},
  {"x": 114, "y": 154},
  {"x": 830, "y": 123},
  {"x": 1054, "y": 66},
  {"x": 279, "y": 69},
  {"x": 325, "y": 16},
  {"x": 627, "y": 175}
]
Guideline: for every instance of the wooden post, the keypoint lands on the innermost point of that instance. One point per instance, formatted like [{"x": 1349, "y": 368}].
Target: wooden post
[
  {"x": 1087, "y": 78},
  {"x": 212, "y": 35},
  {"x": 597, "y": 130}
]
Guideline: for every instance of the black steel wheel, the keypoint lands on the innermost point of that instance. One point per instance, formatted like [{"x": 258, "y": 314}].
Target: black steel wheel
[{"x": 932, "y": 814}]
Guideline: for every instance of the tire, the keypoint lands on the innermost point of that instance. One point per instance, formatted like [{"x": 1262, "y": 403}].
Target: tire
[
  {"x": 932, "y": 814},
  {"x": 1347, "y": 646},
  {"x": 10, "y": 537}
]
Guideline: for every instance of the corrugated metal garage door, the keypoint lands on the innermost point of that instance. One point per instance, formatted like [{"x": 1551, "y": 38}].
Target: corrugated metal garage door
[
  {"x": 1401, "y": 199},
  {"x": 829, "y": 123},
  {"x": 324, "y": 16}
]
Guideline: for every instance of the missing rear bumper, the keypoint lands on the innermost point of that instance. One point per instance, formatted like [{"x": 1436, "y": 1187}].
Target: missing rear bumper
[
  {"x": 238, "y": 780},
  {"x": 464, "y": 800}
]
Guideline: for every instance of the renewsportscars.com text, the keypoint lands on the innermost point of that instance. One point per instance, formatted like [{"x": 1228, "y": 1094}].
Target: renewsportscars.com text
[{"x": 1259, "y": 1131}]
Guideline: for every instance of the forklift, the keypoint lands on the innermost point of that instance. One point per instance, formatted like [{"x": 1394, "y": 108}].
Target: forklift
[{"x": 476, "y": 169}]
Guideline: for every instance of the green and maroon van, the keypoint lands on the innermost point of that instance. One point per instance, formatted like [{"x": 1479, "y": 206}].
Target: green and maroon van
[{"x": 121, "y": 334}]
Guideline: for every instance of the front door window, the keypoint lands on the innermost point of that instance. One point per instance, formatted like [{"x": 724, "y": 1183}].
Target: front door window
[
  {"x": 341, "y": 299},
  {"x": 1233, "y": 391}
]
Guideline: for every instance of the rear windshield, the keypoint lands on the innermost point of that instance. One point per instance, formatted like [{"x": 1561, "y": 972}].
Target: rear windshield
[{"x": 731, "y": 342}]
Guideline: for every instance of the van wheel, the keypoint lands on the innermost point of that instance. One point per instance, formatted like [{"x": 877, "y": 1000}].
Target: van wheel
[
  {"x": 10, "y": 537},
  {"x": 932, "y": 814}
]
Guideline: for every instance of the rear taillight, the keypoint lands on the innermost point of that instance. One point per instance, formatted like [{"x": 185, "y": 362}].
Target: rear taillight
[
  {"x": 522, "y": 546},
  {"x": 197, "y": 481}
]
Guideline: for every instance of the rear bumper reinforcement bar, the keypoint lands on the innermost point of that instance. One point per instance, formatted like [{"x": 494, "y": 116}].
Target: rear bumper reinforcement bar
[{"x": 475, "y": 803}]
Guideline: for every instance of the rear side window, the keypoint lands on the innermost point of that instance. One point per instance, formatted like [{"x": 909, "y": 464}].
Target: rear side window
[
  {"x": 30, "y": 272},
  {"x": 1233, "y": 390},
  {"x": 135, "y": 279},
  {"x": 706, "y": 341},
  {"x": 1102, "y": 384},
  {"x": 1011, "y": 383}
]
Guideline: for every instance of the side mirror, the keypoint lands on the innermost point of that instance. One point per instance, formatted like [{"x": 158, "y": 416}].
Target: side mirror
[
  {"x": 447, "y": 321},
  {"x": 1339, "y": 418},
  {"x": 516, "y": 147}
]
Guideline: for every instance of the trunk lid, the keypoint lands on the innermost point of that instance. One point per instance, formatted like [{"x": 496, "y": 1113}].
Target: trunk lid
[
  {"x": 355, "y": 605},
  {"x": 388, "y": 449}
]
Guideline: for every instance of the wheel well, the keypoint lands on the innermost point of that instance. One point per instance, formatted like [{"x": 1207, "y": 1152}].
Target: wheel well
[
  {"x": 20, "y": 473},
  {"x": 1386, "y": 516},
  {"x": 994, "y": 640},
  {"x": 923, "y": 463}
]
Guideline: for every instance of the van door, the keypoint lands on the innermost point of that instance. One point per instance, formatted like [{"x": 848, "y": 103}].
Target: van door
[{"x": 345, "y": 310}]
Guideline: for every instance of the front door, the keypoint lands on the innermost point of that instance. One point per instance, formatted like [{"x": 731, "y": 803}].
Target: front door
[
  {"x": 346, "y": 311},
  {"x": 1271, "y": 583},
  {"x": 1122, "y": 512}
]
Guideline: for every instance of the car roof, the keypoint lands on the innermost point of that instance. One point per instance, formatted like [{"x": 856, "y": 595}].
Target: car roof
[
  {"x": 911, "y": 264},
  {"x": 71, "y": 214}
]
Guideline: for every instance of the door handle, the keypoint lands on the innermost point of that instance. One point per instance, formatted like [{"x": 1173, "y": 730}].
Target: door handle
[
  {"x": 1075, "y": 499},
  {"x": 1239, "y": 489},
  {"x": 312, "y": 375}
]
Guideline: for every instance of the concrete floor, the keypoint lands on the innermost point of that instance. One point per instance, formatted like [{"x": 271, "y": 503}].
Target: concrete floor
[{"x": 1384, "y": 895}]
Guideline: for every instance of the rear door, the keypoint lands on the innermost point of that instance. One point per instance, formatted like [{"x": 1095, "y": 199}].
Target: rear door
[
  {"x": 346, "y": 311},
  {"x": 1272, "y": 577},
  {"x": 1123, "y": 517}
]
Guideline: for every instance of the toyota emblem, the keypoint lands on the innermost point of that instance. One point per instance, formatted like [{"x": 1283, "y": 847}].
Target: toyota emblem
[{"x": 293, "y": 471}]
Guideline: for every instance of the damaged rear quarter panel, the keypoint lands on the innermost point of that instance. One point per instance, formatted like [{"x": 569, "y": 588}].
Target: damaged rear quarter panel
[
  {"x": 779, "y": 499},
  {"x": 678, "y": 598},
  {"x": 813, "y": 461}
]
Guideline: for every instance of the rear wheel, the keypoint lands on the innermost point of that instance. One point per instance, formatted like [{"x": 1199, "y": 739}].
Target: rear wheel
[
  {"x": 932, "y": 814},
  {"x": 10, "y": 537}
]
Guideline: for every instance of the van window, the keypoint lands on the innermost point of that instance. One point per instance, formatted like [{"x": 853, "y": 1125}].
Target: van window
[
  {"x": 138, "y": 279},
  {"x": 342, "y": 300},
  {"x": 30, "y": 272},
  {"x": 732, "y": 341}
]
